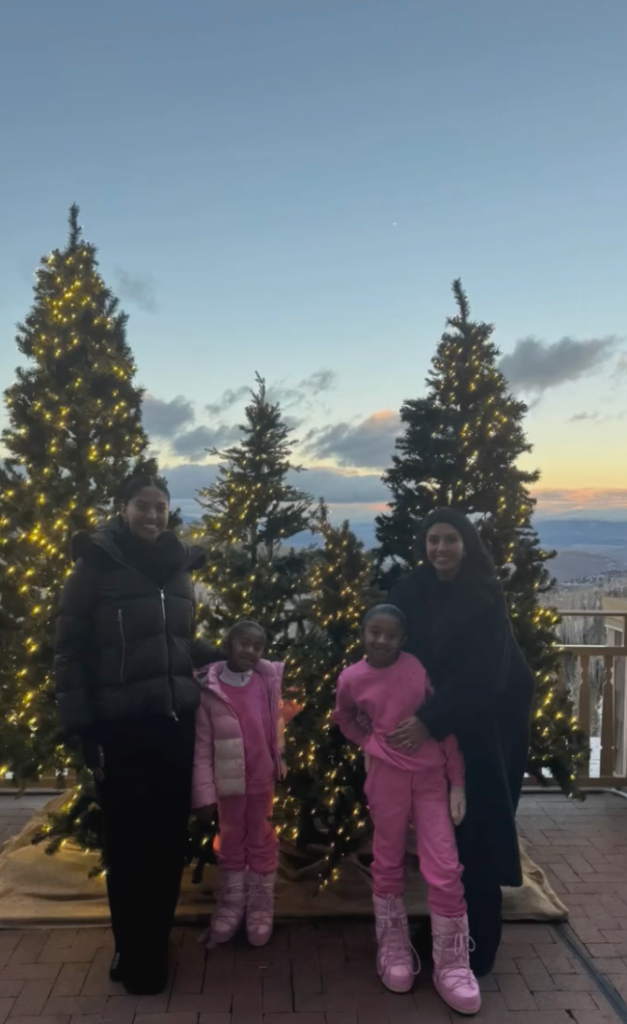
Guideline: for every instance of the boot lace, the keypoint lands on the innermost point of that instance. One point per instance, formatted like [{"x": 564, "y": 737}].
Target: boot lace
[
  {"x": 228, "y": 910},
  {"x": 451, "y": 957},
  {"x": 396, "y": 945},
  {"x": 260, "y": 901}
]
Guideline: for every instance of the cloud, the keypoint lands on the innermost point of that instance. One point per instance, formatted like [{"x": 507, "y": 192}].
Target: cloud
[
  {"x": 534, "y": 366},
  {"x": 165, "y": 419},
  {"x": 286, "y": 395},
  {"x": 310, "y": 387},
  {"x": 195, "y": 443},
  {"x": 582, "y": 501},
  {"x": 137, "y": 288},
  {"x": 316, "y": 384},
  {"x": 340, "y": 488},
  {"x": 368, "y": 444},
  {"x": 580, "y": 417},
  {"x": 228, "y": 399},
  {"x": 336, "y": 487}
]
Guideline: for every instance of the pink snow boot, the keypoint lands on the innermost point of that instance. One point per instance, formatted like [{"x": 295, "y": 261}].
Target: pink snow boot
[
  {"x": 229, "y": 913},
  {"x": 452, "y": 977},
  {"x": 397, "y": 960},
  {"x": 259, "y": 908}
]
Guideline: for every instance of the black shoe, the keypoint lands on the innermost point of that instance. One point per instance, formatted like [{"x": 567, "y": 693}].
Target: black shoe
[
  {"x": 115, "y": 971},
  {"x": 146, "y": 981}
]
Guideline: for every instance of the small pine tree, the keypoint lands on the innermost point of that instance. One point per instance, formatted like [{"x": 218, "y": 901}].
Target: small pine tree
[
  {"x": 74, "y": 433},
  {"x": 460, "y": 448},
  {"x": 251, "y": 514},
  {"x": 322, "y": 809}
]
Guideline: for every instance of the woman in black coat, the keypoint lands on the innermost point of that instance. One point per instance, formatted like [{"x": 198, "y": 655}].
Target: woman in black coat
[
  {"x": 124, "y": 660},
  {"x": 458, "y": 626}
]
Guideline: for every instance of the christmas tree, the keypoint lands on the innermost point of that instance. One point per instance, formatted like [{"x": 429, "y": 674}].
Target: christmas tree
[
  {"x": 74, "y": 433},
  {"x": 460, "y": 447},
  {"x": 251, "y": 514},
  {"x": 322, "y": 809}
]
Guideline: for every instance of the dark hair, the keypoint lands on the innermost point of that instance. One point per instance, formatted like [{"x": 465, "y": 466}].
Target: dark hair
[
  {"x": 385, "y": 609},
  {"x": 135, "y": 484},
  {"x": 477, "y": 561},
  {"x": 242, "y": 626}
]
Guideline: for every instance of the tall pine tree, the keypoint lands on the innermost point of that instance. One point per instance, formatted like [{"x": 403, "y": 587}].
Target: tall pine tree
[
  {"x": 460, "y": 447},
  {"x": 74, "y": 433},
  {"x": 252, "y": 512},
  {"x": 322, "y": 809}
]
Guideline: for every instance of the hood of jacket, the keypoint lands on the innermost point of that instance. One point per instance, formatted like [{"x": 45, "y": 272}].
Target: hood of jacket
[{"x": 88, "y": 546}]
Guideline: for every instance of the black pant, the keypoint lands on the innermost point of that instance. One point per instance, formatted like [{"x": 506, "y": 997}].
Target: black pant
[
  {"x": 485, "y": 925},
  {"x": 145, "y": 800}
]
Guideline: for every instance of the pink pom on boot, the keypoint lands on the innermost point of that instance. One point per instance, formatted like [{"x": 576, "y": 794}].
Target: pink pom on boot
[
  {"x": 397, "y": 961},
  {"x": 259, "y": 908},
  {"x": 228, "y": 916},
  {"x": 452, "y": 977}
]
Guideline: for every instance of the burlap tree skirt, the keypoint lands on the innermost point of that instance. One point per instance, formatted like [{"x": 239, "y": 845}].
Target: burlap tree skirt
[{"x": 36, "y": 889}]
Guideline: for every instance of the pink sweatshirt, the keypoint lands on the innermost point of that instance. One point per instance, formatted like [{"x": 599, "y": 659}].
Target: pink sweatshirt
[{"x": 388, "y": 696}]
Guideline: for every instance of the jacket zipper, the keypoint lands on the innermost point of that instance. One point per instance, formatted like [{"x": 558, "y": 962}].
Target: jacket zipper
[
  {"x": 162, "y": 596},
  {"x": 165, "y": 623},
  {"x": 121, "y": 625}
]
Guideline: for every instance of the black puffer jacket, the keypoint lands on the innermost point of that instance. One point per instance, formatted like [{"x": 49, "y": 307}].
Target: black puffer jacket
[{"x": 125, "y": 645}]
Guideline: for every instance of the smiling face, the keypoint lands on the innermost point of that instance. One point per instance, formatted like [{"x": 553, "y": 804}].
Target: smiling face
[
  {"x": 146, "y": 514},
  {"x": 383, "y": 638},
  {"x": 445, "y": 550}
]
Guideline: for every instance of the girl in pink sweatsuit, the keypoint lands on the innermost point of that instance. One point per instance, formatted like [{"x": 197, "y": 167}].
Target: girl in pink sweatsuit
[
  {"x": 425, "y": 787},
  {"x": 238, "y": 756}
]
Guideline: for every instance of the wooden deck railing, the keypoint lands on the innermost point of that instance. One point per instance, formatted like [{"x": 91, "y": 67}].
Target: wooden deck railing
[{"x": 601, "y": 675}]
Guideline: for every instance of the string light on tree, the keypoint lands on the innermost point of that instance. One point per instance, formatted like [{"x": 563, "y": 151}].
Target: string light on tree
[
  {"x": 460, "y": 447},
  {"x": 251, "y": 513},
  {"x": 74, "y": 432},
  {"x": 321, "y": 810}
]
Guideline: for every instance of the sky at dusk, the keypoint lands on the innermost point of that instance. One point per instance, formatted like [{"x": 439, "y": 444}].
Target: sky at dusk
[{"x": 290, "y": 187}]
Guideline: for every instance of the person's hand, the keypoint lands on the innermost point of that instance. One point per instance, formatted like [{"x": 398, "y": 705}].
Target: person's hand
[
  {"x": 458, "y": 804},
  {"x": 206, "y": 814},
  {"x": 363, "y": 721},
  {"x": 409, "y": 735}
]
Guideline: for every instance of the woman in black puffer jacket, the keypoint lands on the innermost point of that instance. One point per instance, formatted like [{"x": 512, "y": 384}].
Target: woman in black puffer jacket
[{"x": 124, "y": 659}]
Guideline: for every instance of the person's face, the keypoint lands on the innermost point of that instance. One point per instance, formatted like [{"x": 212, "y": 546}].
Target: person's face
[
  {"x": 383, "y": 638},
  {"x": 445, "y": 550},
  {"x": 146, "y": 514},
  {"x": 245, "y": 649}
]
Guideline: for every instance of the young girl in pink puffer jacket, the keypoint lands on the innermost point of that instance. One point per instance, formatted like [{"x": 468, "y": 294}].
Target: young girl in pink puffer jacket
[{"x": 238, "y": 756}]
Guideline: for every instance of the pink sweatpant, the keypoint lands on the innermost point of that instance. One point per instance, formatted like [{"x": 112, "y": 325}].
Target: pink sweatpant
[
  {"x": 397, "y": 797},
  {"x": 247, "y": 838}
]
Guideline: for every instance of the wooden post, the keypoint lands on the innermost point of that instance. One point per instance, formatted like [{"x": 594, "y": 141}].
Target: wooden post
[
  {"x": 584, "y": 707},
  {"x": 607, "y": 720}
]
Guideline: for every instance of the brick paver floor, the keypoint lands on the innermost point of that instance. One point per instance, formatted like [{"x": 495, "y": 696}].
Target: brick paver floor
[{"x": 323, "y": 973}]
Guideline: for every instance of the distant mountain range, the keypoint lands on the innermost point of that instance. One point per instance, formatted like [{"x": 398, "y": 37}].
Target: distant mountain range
[
  {"x": 582, "y": 533},
  {"x": 585, "y": 547}
]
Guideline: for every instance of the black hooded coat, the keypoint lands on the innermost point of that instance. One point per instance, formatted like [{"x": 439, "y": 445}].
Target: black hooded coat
[
  {"x": 125, "y": 647},
  {"x": 483, "y": 694}
]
